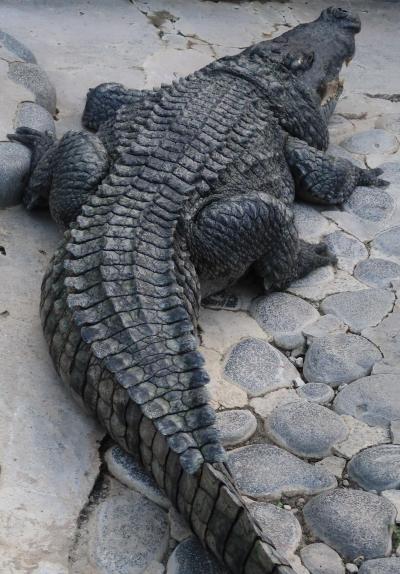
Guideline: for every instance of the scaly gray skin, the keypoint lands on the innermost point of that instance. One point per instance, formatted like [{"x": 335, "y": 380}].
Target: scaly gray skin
[{"x": 191, "y": 183}]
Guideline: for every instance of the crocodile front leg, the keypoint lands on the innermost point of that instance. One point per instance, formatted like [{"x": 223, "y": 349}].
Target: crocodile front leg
[{"x": 324, "y": 179}]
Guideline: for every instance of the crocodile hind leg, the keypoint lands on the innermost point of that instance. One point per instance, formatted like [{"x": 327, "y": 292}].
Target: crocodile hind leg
[
  {"x": 64, "y": 173},
  {"x": 229, "y": 235},
  {"x": 324, "y": 179}
]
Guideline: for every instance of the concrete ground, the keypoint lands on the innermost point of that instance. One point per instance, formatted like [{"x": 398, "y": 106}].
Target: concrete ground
[{"x": 49, "y": 449}]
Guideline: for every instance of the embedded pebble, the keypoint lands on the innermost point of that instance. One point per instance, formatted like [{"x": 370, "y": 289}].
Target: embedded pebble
[
  {"x": 389, "y": 565},
  {"x": 15, "y": 161},
  {"x": 377, "y": 272},
  {"x": 339, "y": 359},
  {"x": 236, "y": 426},
  {"x": 35, "y": 79},
  {"x": 394, "y": 497},
  {"x": 189, "y": 557},
  {"x": 305, "y": 428},
  {"x": 284, "y": 316},
  {"x": 154, "y": 568},
  {"x": 342, "y": 519},
  {"x": 387, "y": 244},
  {"x": 387, "y": 337},
  {"x": 348, "y": 250},
  {"x": 370, "y": 203},
  {"x": 360, "y": 309},
  {"x": 377, "y": 468},
  {"x": 310, "y": 224},
  {"x": 130, "y": 472},
  {"x": 333, "y": 464},
  {"x": 280, "y": 525},
  {"x": 325, "y": 325},
  {"x": 360, "y": 436},
  {"x": 371, "y": 141},
  {"x": 351, "y": 568},
  {"x": 374, "y": 400},
  {"x": 316, "y": 393},
  {"x": 390, "y": 123},
  {"x": 269, "y": 471},
  {"x": 128, "y": 533},
  {"x": 319, "y": 558},
  {"x": 259, "y": 368},
  {"x": 322, "y": 282},
  {"x": 34, "y": 116}
]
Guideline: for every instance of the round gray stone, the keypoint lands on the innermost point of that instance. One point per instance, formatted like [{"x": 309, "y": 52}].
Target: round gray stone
[
  {"x": 284, "y": 316},
  {"x": 189, "y": 557},
  {"x": 342, "y": 518},
  {"x": 280, "y": 526},
  {"x": 16, "y": 47},
  {"x": 130, "y": 472},
  {"x": 236, "y": 426},
  {"x": 316, "y": 393},
  {"x": 15, "y": 160},
  {"x": 306, "y": 429},
  {"x": 35, "y": 79},
  {"x": 389, "y": 565},
  {"x": 259, "y": 368},
  {"x": 377, "y": 468},
  {"x": 33, "y": 116},
  {"x": 375, "y": 400},
  {"x": 264, "y": 470},
  {"x": 348, "y": 250},
  {"x": 388, "y": 242},
  {"x": 128, "y": 533},
  {"x": 390, "y": 123},
  {"x": 338, "y": 359},
  {"x": 371, "y": 142},
  {"x": 377, "y": 272},
  {"x": 373, "y": 204},
  {"x": 360, "y": 309},
  {"x": 319, "y": 558}
]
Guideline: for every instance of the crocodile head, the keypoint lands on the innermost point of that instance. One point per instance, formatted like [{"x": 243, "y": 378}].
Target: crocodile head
[{"x": 315, "y": 52}]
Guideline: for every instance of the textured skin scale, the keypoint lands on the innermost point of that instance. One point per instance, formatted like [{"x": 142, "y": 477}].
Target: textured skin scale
[{"x": 191, "y": 184}]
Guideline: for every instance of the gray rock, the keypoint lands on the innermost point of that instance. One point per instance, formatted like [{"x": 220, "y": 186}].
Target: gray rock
[
  {"x": 326, "y": 325},
  {"x": 390, "y": 123},
  {"x": 377, "y": 272},
  {"x": 387, "y": 243},
  {"x": 34, "y": 116},
  {"x": 305, "y": 428},
  {"x": 128, "y": 533},
  {"x": 393, "y": 496},
  {"x": 348, "y": 250},
  {"x": 236, "y": 426},
  {"x": 342, "y": 519},
  {"x": 316, "y": 393},
  {"x": 339, "y": 359},
  {"x": 131, "y": 473},
  {"x": 360, "y": 309},
  {"x": 17, "y": 48},
  {"x": 387, "y": 337},
  {"x": 377, "y": 468},
  {"x": 15, "y": 160},
  {"x": 280, "y": 525},
  {"x": 36, "y": 80},
  {"x": 319, "y": 558},
  {"x": 371, "y": 203},
  {"x": 371, "y": 142},
  {"x": 339, "y": 151},
  {"x": 189, "y": 557},
  {"x": 284, "y": 316},
  {"x": 310, "y": 224},
  {"x": 259, "y": 368},
  {"x": 381, "y": 566},
  {"x": 374, "y": 400},
  {"x": 264, "y": 470}
]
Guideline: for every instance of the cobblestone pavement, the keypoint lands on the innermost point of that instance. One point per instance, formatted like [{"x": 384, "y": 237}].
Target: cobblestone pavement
[{"x": 306, "y": 383}]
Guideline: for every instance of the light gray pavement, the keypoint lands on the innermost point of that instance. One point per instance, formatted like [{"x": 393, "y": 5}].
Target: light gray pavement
[{"x": 60, "y": 513}]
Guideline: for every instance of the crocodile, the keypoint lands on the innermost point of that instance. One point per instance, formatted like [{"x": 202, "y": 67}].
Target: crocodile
[{"x": 175, "y": 194}]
